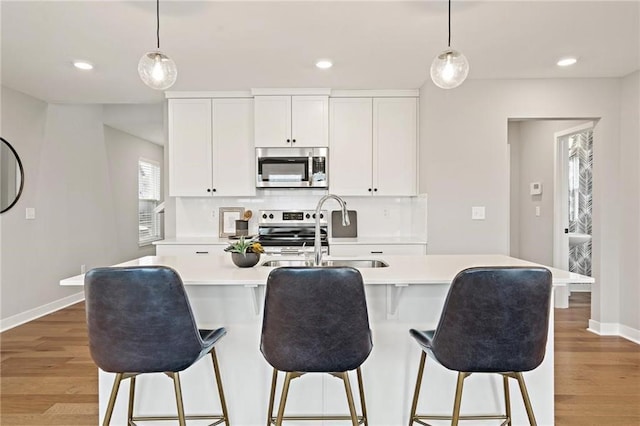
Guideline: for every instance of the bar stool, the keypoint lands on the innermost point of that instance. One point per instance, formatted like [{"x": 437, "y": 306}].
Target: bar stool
[
  {"x": 315, "y": 321},
  {"x": 494, "y": 320},
  {"x": 140, "y": 321}
]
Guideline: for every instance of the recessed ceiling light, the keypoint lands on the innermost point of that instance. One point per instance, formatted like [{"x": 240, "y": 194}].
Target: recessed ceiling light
[
  {"x": 83, "y": 65},
  {"x": 324, "y": 64},
  {"x": 565, "y": 62}
]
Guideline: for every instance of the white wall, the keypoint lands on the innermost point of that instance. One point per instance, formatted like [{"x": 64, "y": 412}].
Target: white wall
[
  {"x": 79, "y": 200},
  {"x": 464, "y": 162},
  {"x": 66, "y": 181},
  {"x": 123, "y": 152},
  {"x": 630, "y": 203}
]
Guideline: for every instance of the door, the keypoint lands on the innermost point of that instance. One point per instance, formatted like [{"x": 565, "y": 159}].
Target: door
[
  {"x": 190, "y": 171},
  {"x": 310, "y": 121},
  {"x": 573, "y": 199},
  {"x": 395, "y": 146},
  {"x": 350, "y": 150},
  {"x": 233, "y": 152},
  {"x": 272, "y": 121}
]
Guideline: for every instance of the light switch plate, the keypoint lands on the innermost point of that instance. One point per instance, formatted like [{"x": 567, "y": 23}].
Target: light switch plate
[
  {"x": 477, "y": 213},
  {"x": 30, "y": 213}
]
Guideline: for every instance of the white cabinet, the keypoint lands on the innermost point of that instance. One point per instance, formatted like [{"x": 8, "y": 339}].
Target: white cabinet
[
  {"x": 211, "y": 147},
  {"x": 282, "y": 121},
  {"x": 189, "y": 249},
  {"x": 373, "y": 146},
  {"x": 376, "y": 249},
  {"x": 351, "y": 147}
]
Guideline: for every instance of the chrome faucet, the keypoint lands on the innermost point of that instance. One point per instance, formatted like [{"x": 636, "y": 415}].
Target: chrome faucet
[{"x": 317, "y": 247}]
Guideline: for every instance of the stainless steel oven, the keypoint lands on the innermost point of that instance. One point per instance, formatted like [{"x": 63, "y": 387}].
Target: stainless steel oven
[
  {"x": 292, "y": 167},
  {"x": 291, "y": 232}
]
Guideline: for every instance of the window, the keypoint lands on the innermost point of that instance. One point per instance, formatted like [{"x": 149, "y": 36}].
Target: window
[{"x": 148, "y": 200}]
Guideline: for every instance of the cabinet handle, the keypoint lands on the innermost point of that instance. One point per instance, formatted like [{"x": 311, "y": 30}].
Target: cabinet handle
[
  {"x": 288, "y": 140},
  {"x": 377, "y": 252},
  {"x": 293, "y": 140},
  {"x": 369, "y": 189},
  {"x": 208, "y": 189},
  {"x": 374, "y": 189},
  {"x": 214, "y": 190},
  {"x": 202, "y": 252}
]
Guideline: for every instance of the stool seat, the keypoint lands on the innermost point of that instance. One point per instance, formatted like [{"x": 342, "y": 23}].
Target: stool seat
[
  {"x": 494, "y": 320},
  {"x": 315, "y": 321},
  {"x": 139, "y": 321}
]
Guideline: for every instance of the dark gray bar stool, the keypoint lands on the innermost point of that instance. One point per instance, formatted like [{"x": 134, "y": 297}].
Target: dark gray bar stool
[
  {"x": 140, "y": 321},
  {"x": 315, "y": 321},
  {"x": 495, "y": 320}
]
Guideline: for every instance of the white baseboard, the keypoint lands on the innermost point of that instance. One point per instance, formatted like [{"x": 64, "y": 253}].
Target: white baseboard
[
  {"x": 40, "y": 311},
  {"x": 614, "y": 329}
]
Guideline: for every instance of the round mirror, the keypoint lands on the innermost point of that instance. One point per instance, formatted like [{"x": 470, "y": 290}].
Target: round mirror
[{"x": 11, "y": 176}]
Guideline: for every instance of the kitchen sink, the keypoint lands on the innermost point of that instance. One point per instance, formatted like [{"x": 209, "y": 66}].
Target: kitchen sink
[{"x": 355, "y": 263}]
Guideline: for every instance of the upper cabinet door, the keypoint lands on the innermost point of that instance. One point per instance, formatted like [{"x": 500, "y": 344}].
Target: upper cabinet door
[
  {"x": 189, "y": 128},
  {"x": 350, "y": 146},
  {"x": 310, "y": 121},
  {"x": 286, "y": 121},
  {"x": 395, "y": 144},
  {"x": 233, "y": 153},
  {"x": 272, "y": 127}
]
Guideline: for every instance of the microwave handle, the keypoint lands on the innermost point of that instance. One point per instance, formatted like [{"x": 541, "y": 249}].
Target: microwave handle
[{"x": 310, "y": 169}]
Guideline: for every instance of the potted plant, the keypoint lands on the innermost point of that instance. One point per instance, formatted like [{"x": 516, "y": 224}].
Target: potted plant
[{"x": 245, "y": 252}]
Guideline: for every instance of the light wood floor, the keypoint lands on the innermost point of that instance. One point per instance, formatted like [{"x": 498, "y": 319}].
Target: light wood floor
[{"x": 48, "y": 378}]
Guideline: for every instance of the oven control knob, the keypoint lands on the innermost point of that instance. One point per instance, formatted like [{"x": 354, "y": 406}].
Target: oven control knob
[
  {"x": 314, "y": 216},
  {"x": 321, "y": 216},
  {"x": 308, "y": 216},
  {"x": 264, "y": 215},
  {"x": 271, "y": 216}
]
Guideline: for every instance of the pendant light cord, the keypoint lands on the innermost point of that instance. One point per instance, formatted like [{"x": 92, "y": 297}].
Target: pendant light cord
[
  {"x": 449, "y": 42},
  {"x": 158, "y": 21}
]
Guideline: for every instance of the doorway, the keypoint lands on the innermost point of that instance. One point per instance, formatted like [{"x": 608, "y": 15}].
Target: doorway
[
  {"x": 573, "y": 191},
  {"x": 536, "y": 227}
]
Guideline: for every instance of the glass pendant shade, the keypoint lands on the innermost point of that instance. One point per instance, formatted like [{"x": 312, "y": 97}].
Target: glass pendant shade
[
  {"x": 157, "y": 70},
  {"x": 449, "y": 69}
]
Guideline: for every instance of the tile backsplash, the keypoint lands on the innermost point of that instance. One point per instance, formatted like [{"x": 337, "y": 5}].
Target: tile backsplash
[{"x": 377, "y": 216}]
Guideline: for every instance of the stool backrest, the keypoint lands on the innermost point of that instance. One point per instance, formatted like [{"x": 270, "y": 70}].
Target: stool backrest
[
  {"x": 315, "y": 320},
  {"x": 495, "y": 319},
  {"x": 139, "y": 320}
]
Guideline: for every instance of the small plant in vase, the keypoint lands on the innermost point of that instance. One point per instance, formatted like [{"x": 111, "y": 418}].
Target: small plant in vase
[{"x": 245, "y": 253}]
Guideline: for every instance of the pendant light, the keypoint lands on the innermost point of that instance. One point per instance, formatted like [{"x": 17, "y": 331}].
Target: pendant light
[
  {"x": 450, "y": 68},
  {"x": 156, "y": 69}
]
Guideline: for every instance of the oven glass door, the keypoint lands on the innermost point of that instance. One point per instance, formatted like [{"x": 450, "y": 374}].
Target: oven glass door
[{"x": 283, "y": 171}]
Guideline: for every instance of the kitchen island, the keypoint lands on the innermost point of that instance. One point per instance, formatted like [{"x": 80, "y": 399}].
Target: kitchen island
[{"x": 409, "y": 293}]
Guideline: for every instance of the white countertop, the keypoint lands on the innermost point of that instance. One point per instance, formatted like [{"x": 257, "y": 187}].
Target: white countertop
[
  {"x": 379, "y": 240},
  {"x": 402, "y": 270}
]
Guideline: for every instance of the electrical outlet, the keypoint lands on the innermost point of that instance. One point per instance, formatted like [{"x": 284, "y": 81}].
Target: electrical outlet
[{"x": 83, "y": 269}]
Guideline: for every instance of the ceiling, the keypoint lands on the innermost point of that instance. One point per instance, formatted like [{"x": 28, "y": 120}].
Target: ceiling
[{"x": 240, "y": 45}]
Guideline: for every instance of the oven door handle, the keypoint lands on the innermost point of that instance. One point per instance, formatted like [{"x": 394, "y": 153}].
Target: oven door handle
[{"x": 290, "y": 251}]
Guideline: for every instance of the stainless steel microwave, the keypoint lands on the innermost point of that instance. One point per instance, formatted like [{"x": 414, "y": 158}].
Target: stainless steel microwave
[{"x": 292, "y": 167}]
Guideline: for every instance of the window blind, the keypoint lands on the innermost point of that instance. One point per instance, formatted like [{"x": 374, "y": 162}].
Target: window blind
[{"x": 148, "y": 200}]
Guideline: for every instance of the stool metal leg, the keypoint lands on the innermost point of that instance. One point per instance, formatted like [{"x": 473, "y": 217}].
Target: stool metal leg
[
  {"x": 178, "y": 390},
  {"x": 283, "y": 398},
  {"x": 362, "y": 403},
  {"x": 216, "y": 370},
  {"x": 507, "y": 399},
  {"x": 416, "y": 392},
  {"x": 272, "y": 397},
  {"x": 132, "y": 394},
  {"x": 525, "y": 397},
  {"x": 352, "y": 407},
  {"x": 112, "y": 399},
  {"x": 456, "y": 405}
]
